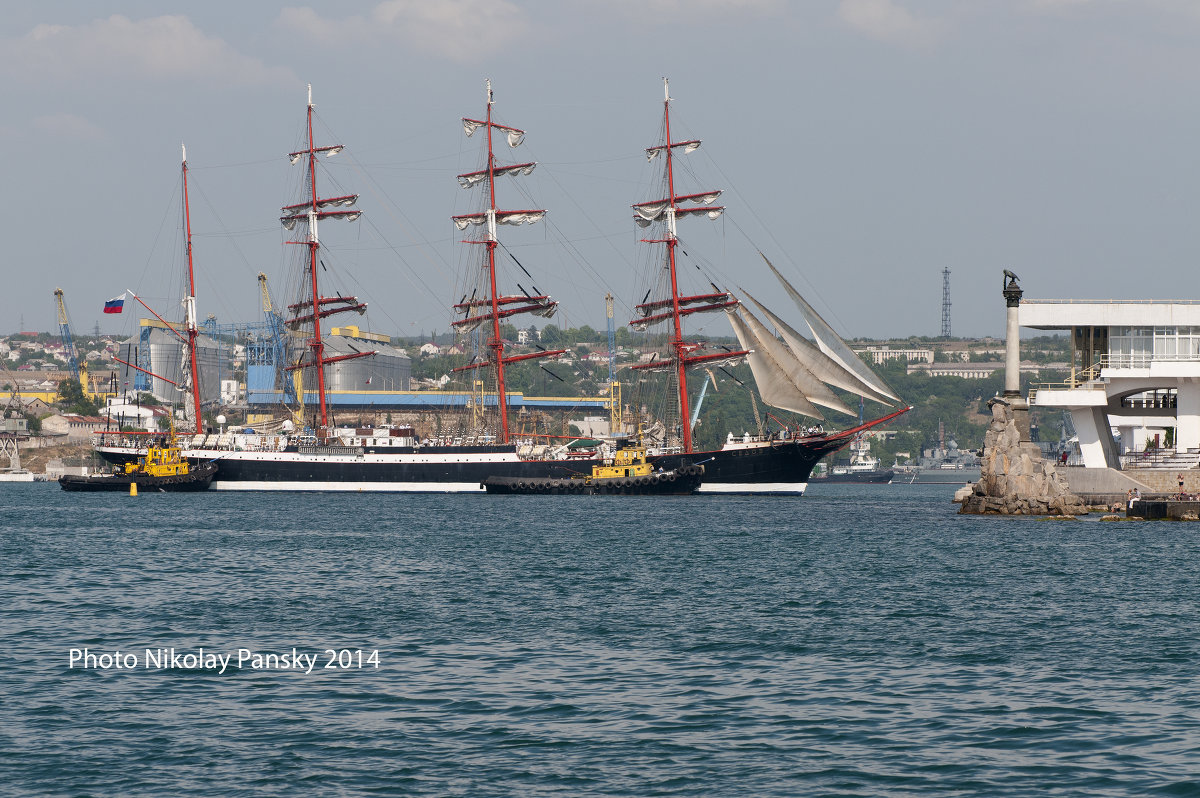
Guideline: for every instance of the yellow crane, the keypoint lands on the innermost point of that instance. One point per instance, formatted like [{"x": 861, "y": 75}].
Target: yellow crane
[
  {"x": 75, "y": 364},
  {"x": 614, "y": 387}
]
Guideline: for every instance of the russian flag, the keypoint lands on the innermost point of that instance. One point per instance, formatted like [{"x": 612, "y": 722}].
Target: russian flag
[{"x": 115, "y": 304}]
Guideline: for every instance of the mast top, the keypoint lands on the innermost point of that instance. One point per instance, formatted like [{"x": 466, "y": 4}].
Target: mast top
[
  {"x": 666, "y": 90},
  {"x": 183, "y": 148},
  {"x": 488, "y": 82},
  {"x": 310, "y": 102}
]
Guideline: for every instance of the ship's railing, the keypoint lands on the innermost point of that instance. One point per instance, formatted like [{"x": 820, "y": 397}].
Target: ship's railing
[
  {"x": 326, "y": 449},
  {"x": 124, "y": 439}
]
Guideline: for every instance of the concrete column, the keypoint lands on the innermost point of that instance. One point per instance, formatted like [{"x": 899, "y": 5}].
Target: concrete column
[
  {"x": 1012, "y": 350},
  {"x": 1187, "y": 416},
  {"x": 1128, "y": 438},
  {"x": 1096, "y": 443}
]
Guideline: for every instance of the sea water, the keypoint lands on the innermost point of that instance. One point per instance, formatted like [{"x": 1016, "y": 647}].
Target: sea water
[{"x": 860, "y": 641}]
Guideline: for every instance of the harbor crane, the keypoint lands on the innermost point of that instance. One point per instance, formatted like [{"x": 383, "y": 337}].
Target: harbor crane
[
  {"x": 278, "y": 336},
  {"x": 78, "y": 370}
]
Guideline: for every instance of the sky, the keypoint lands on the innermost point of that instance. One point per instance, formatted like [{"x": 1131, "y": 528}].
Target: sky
[{"x": 863, "y": 146}]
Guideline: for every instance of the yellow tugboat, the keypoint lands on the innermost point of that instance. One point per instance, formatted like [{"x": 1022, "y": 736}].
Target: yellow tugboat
[
  {"x": 626, "y": 472},
  {"x": 162, "y": 469}
]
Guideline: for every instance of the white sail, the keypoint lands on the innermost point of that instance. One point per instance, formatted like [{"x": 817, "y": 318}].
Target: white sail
[
  {"x": 832, "y": 344},
  {"x": 774, "y": 385},
  {"x": 825, "y": 368},
  {"x": 814, "y": 390}
]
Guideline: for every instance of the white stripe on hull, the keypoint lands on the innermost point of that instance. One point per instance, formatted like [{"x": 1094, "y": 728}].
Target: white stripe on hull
[
  {"x": 311, "y": 486},
  {"x": 792, "y": 488}
]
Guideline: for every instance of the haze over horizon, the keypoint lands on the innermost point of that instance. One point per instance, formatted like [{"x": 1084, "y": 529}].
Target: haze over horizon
[{"x": 863, "y": 145}]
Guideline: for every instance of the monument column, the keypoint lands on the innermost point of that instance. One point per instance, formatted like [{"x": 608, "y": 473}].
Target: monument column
[
  {"x": 1012, "y": 345},
  {"x": 1012, "y": 358}
]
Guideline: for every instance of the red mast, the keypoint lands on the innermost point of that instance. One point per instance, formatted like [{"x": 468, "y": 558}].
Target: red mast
[
  {"x": 189, "y": 303},
  {"x": 494, "y": 306},
  {"x": 310, "y": 212},
  {"x": 667, "y": 210}
]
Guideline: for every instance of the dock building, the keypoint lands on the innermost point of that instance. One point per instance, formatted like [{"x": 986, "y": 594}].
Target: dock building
[{"x": 1135, "y": 368}]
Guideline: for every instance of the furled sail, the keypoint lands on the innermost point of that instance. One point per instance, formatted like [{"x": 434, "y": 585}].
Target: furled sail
[
  {"x": 774, "y": 385},
  {"x": 825, "y": 368},
  {"x": 502, "y": 217},
  {"x": 804, "y": 379},
  {"x": 473, "y": 178},
  {"x": 646, "y": 213},
  {"x": 515, "y": 136},
  {"x": 831, "y": 344},
  {"x": 686, "y": 146}
]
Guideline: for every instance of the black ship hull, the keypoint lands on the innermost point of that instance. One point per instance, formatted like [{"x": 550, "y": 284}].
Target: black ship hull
[{"x": 765, "y": 467}]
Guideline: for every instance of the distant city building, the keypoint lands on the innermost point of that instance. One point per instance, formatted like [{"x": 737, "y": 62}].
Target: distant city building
[
  {"x": 231, "y": 392},
  {"x": 979, "y": 371},
  {"x": 882, "y": 354},
  {"x": 74, "y": 428},
  {"x": 125, "y": 411}
]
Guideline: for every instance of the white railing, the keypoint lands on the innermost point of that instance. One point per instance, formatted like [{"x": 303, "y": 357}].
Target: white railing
[
  {"x": 1110, "y": 302},
  {"x": 1143, "y": 360},
  {"x": 1171, "y": 459}
]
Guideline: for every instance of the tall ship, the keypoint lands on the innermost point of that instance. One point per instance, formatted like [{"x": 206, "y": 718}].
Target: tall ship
[{"x": 313, "y": 453}]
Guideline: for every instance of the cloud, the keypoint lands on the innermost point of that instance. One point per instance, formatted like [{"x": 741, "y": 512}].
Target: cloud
[
  {"x": 67, "y": 126},
  {"x": 158, "y": 48},
  {"x": 1186, "y": 8},
  {"x": 461, "y": 30},
  {"x": 677, "y": 11},
  {"x": 1057, "y": 6},
  {"x": 886, "y": 21}
]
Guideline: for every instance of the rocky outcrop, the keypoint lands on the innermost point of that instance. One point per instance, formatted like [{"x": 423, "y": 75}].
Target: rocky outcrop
[{"x": 1016, "y": 479}]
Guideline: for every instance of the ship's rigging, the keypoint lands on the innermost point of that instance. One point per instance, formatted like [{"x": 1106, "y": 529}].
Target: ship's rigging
[
  {"x": 663, "y": 212},
  {"x": 312, "y": 307},
  {"x": 485, "y": 307},
  {"x": 791, "y": 372}
]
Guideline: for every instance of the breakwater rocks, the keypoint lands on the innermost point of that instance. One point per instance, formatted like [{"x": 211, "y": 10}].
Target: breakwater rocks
[{"x": 1015, "y": 478}]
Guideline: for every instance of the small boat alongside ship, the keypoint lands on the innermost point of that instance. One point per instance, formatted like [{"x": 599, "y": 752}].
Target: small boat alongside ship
[
  {"x": 161, "y": 469},
  {"x": 626, "y": 473}
]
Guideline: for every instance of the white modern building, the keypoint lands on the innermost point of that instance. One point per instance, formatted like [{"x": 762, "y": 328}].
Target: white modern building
[{"x": 1135, "y": 367}]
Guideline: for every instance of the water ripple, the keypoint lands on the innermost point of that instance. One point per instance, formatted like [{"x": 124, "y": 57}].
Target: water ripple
[{"x": 858, "y": 642}]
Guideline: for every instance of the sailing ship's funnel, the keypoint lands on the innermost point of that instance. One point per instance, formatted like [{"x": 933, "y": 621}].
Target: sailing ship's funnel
[
  {"x": 775, "y": 387},
  {"x": 830, "y": 343},
  {"x": 781, "y": 356},
  {"x": 825, "y": 368}
]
